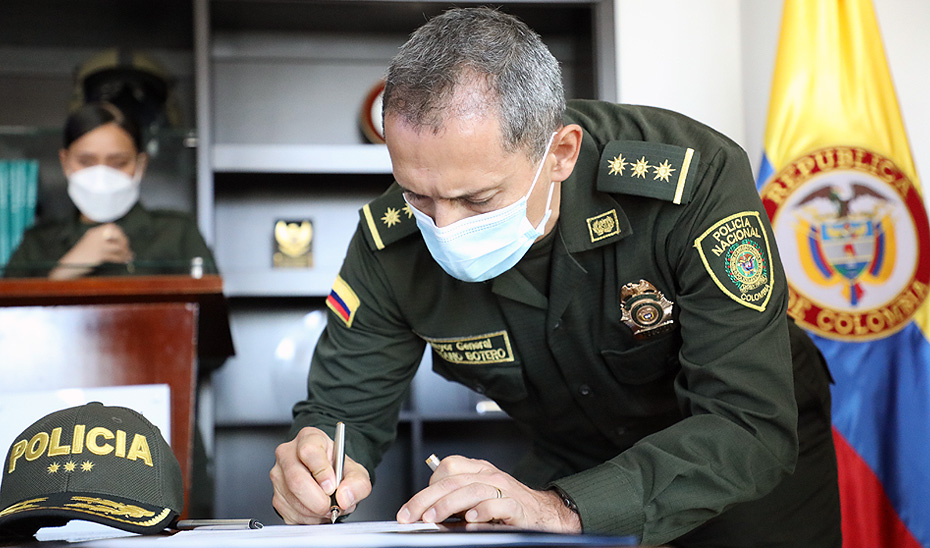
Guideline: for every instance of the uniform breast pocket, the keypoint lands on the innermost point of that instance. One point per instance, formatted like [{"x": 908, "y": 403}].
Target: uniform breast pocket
[
  {"x": 646, "y": 363},
  {"x": 502, "y": 382},
  {"x": 645, "y": 377}
]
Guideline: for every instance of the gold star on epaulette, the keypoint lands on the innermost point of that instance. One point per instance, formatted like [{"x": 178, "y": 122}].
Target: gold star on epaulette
[
  {"x": 641, "y": 168},
  {"x": 663, "y": 171},
  {"x": 408, "y": 211},
  {"x": 391, "y": 217},
  {"x": 617, "y": 165}
]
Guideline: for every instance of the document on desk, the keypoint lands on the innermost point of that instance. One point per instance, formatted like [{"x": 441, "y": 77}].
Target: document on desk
[
  {"x": 380, "y": 534},
  {"x": 362, "y": 534}
]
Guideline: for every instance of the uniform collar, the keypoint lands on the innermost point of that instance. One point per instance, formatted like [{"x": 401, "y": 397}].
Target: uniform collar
[{"x": 589, "y": 218}]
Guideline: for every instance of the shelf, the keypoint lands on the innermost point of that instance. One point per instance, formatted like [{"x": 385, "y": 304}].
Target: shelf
[
  {"x": 282, "y": 158},
  {"x": 309, "y": 282}
]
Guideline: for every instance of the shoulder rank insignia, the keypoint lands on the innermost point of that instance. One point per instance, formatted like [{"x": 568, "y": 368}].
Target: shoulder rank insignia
[
  {"x": 654, "y": 170},
  {"x": 387, "y": 219},
  {"x": 735, "y": 252},
  {"x": 645, "y": 310}
]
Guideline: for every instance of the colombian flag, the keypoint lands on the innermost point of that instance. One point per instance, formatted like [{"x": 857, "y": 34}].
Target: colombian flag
[{"x": 839, "y": 184}]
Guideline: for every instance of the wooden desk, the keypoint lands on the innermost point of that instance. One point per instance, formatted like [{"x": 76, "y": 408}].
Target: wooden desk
[{"x": 115, "y": 331}]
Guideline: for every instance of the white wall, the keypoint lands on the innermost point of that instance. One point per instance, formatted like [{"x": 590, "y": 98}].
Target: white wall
[
  {"x": 713, "y": 60},
  {"x": 683, "y": 55}
]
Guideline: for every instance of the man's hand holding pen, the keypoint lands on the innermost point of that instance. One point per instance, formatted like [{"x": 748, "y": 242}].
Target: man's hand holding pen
[
  {"x": 304, "y": 479},
  {"x": 306, "y": 490},
  {"x": 480, "y": 493}
]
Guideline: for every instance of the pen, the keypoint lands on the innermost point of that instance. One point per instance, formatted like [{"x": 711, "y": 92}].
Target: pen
[
  {"x": 245, "y": 523},
  {"x": 433, "y": 462},
  {"x": 339, "y": 458}
]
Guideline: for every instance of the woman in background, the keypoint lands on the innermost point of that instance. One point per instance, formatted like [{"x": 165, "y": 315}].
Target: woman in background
[{"x": 111, "y": 234}]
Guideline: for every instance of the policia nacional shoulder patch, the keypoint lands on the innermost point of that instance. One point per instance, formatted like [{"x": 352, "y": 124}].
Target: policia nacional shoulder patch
[{"x": 735, "y": 252}]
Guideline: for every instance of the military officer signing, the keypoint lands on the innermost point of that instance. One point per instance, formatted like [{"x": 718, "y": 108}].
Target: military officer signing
[{"x": 607, "y": 274}]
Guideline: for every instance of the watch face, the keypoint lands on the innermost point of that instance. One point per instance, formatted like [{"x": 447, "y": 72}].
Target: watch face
[{"x": 370, "y": 115}]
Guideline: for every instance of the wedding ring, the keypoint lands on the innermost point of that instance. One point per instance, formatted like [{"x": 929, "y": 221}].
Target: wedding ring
[{"x": 500, "y": 494}]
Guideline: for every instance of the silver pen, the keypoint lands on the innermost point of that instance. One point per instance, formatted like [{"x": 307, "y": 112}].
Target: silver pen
[
  {"x": 245, "y": 523},
  {"x": 339, "y": 457}
]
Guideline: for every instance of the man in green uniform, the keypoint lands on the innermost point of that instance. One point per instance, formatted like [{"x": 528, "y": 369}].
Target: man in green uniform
[{"x": 607, "y": 274}]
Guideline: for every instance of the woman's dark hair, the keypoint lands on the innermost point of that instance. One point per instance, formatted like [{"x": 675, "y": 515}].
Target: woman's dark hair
[{"x": 93, "y": 115}]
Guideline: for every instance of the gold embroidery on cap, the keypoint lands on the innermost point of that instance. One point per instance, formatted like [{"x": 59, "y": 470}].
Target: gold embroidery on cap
[
  {"x": 30, "y": 504},
  {"x": 604, "y": 225},
  {"x": 104, "y": 507}
]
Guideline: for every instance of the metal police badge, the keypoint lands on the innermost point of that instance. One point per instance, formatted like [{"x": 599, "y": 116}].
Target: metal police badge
[
  {"x": 735, "y": 252},
  {"x": 645, "y": 310},
  {"x": 854, "y": 238}
]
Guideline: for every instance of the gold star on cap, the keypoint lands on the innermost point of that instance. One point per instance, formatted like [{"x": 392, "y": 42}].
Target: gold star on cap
[
  {"x": 52, "y": 468},
  {"x": 70, "y": 466},
  {"x": 87, "y": 466}
]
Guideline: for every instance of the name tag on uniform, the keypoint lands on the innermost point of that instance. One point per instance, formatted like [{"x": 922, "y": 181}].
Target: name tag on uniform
[{"x": 474, "y": 349}]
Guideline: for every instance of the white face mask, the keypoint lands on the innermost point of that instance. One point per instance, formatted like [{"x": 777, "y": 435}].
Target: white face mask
[
  {"x": 480, "y": 247},
  {"x": 102, "y": 193}
]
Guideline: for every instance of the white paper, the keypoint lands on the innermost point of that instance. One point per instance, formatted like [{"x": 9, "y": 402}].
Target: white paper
[{"x": 378, "y": 534}]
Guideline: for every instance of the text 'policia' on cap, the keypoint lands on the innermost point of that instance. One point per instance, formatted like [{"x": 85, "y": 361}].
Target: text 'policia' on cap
[{"x": 92, "y": 462}]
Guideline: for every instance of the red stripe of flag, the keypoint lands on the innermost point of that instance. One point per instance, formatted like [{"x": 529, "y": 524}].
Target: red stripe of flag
[{"x": 868, "y": 518}]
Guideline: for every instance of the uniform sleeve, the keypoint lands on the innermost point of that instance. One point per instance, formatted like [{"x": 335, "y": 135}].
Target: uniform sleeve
[
  {"x": 363, "y": 362},
  {"x": 738, "y": 439}
]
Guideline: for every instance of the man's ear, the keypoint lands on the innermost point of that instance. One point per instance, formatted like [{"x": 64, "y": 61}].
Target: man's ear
[{"x": 565, "y": 146}]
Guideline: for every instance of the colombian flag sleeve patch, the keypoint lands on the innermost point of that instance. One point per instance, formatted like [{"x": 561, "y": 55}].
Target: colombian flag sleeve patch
[{"x": 343, "y": 301}]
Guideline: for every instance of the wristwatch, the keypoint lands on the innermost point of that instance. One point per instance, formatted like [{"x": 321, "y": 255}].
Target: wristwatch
[{"x": 566, "y": 500}]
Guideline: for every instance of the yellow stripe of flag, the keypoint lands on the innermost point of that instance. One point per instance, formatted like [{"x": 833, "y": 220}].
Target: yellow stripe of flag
[{"x": 832, "y": 85}]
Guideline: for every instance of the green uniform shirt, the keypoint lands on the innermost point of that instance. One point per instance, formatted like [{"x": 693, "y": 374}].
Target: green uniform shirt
[
  {"x": 163, "y": 242},
  {"x": 649, "y": 436}
]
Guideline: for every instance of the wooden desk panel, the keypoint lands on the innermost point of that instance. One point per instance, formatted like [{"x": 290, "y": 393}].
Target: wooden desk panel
[{"x": 74, "y": 346}]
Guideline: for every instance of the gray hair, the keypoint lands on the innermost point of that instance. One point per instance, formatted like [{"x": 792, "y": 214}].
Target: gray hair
[{"x": 475, "y": 61}]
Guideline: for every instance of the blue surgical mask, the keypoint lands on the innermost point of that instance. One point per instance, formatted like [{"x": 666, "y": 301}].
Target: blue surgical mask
[{"x": 480, "y": 247}]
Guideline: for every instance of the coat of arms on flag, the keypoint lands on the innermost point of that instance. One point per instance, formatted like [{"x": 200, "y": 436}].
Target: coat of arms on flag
[{"x": 856, "y": 232}]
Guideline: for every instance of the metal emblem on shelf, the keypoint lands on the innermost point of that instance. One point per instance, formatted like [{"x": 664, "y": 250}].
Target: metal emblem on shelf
[{"x": 293, "y": 244}]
